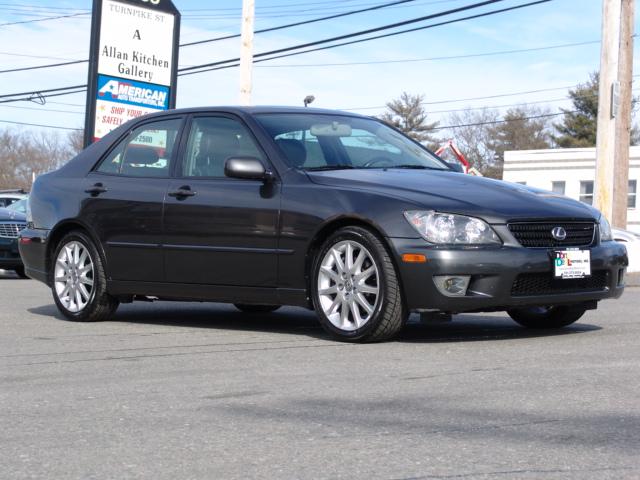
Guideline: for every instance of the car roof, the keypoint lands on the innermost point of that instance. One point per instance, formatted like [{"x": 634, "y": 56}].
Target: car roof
[{"x": 260, "y": 109}]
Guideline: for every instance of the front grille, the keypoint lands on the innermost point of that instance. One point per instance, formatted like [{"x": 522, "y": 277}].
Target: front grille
[
  {"x": 531, "y": 284},
  {"x": 538, "y": 235},
  {"x": 11, "y": 229}
]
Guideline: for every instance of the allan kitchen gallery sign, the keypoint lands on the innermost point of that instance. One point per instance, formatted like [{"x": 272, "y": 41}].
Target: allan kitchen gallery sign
[{"x": 133, "y": 62}]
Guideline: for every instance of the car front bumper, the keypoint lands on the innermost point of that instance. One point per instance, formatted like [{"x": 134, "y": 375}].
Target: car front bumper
[
  {"x": 504, "y": 277},
  {"x": 9, "y": 255}
]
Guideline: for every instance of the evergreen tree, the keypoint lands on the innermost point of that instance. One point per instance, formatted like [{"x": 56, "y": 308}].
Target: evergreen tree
[
  {"x": 409, "y": 116},
  {"x": 579, "y": 125}
]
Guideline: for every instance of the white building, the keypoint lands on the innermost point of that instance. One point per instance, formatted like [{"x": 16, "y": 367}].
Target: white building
[{"x": 570, "y": 172}]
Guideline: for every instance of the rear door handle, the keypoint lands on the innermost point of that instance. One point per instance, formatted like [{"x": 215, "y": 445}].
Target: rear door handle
[
  {"x": 182, "y": 192},
  {"x": 97, "y": 189}
]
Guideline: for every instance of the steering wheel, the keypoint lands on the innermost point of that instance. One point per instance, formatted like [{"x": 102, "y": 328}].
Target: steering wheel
[{"x": 376, "y": 160}]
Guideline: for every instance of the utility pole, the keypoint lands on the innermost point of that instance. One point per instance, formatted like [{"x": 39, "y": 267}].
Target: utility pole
[
  {"x": 605, "y": 144},
  {"x": 623, "y": 127},
  {"x": 246, "y": 51}
]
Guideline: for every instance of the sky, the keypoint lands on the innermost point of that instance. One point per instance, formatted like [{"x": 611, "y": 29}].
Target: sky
[{"x": 360, "y": 78}]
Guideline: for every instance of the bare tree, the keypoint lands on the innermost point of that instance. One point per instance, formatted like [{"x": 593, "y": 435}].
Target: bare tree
[
  {"x": 76, "y": 141},
  {"x": 408, "y": 115},
  {"x": 471, "y": 133},
  {"x": 522, "y": 128},
  {"x": 24, "y": 155}
]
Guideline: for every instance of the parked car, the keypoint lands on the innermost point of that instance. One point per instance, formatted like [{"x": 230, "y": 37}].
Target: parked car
[
  {"x": 337, "y": 212},
  {"x": 7, "y": 197},
  {"x": 12, "y": 222},
  {"x": 631, "y": 241}
]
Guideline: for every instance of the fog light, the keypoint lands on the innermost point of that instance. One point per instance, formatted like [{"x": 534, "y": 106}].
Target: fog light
[{"x": 452, "y": 285}]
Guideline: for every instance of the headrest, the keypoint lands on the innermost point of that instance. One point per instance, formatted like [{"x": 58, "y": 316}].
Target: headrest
[{"x": 140, "y": 155}]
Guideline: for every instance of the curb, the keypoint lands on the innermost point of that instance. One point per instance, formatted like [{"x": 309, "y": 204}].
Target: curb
[{"x": 632, "y": 280}]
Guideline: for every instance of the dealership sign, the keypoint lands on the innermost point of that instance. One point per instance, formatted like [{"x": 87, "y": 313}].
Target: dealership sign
[{"x": 133, "y": 64}]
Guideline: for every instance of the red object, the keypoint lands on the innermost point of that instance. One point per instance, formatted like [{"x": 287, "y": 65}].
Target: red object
[{"x": 456, "y": 151}]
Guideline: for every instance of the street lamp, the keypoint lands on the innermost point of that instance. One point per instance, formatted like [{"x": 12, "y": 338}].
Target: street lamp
[{"x": 308, "y": 99}]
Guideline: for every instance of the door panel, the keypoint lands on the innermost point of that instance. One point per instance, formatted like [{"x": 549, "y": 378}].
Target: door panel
[
  {"x": 225, "y": 231},
  {"x": 127, "y": 218},
  {"x": 124, "y": 201},
  {"x": 226, "y": 234}
]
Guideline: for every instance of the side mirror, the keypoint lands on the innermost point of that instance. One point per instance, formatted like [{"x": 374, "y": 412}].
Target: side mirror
[
  {"x": 247, "y": 168},
  {"x": 455, "y": 166}
]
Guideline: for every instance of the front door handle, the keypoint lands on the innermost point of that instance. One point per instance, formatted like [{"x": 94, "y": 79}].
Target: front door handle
[
  {"x": 96, "y": 190},
  {"x": 182, "y": 192}
]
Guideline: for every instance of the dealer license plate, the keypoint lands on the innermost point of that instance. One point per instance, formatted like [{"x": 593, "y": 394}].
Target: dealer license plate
[{"x": 572, "y": 264}]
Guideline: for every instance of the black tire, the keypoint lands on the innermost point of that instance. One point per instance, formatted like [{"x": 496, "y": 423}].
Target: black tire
[
  {"x": 20, "y": 272},
  {"x": 100, "y": 305},
  {"x": 547, "y": 317},
  {"x": 246, "y": 308},
  {"x": 389, "y": 313}
]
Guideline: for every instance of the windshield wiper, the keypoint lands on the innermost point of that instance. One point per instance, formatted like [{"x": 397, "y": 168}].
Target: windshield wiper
[
  {"x": 330, "y": 167},
  {"x": 415, "y": 167}
]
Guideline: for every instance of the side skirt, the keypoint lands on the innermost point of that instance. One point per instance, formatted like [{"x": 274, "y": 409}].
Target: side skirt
[{"x": 210, "y": 293}]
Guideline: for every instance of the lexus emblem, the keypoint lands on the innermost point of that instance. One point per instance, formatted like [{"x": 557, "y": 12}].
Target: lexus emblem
[{"x": 559, "y": 233}]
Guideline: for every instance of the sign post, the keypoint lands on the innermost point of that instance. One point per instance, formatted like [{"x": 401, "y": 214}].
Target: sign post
[{"x": 133, "y": 62}]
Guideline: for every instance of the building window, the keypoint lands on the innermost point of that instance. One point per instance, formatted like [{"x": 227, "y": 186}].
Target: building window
[
  {"x": 586, "y": 192},
  {"x": 558, "y": 187},
  {"x": 631, "y": 199}
]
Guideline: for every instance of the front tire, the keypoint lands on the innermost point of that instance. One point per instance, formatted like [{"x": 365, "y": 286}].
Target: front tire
[
  {"x": 355, "y": 287},
  {"x": 546, "y": 317},
  {"x": 78, "y": 280}
]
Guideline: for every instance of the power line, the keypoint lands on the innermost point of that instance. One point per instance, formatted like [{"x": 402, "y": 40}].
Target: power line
[
  {"x": 495, "y": 122},
  {"x": 296, "y": 24},
  {"x": 297, "y": 47},
  {"x": 429, "y": 59},
  {"x": 42, "y": 19},
  {"x": 318, "y": 42},
  {"x": 226, "y": 37},
  {"x": 354, "y": 34},
  {"x": 43, "y": 91},
  {"x": 259, "y": 60},
  {"x": 39, "y": 125},
  {"x": 37, "y": 67},
  {"x": 47, "y": 110}
]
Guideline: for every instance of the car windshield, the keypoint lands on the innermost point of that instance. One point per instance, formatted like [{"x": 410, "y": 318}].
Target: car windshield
[
  {"x": 19, "y": 206},
  {"x": 331, "y": 142}
]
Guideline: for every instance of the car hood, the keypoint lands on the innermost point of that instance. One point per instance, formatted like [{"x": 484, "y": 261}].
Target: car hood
[
  {"x": 492, "y": 200},
  {"x": 8, "y": 215}
]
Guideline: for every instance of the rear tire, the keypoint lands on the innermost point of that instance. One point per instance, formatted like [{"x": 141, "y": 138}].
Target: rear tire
[
  {"x": 78, "y": 280},
  {"x": 546, "y": 317},
  {"x": 246, "y": 308},
  {"x": 20, "y": 272},
  {"x": 355, "y": 287}
]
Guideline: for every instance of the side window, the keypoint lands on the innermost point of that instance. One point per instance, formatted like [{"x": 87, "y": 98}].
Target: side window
[
  {"x": 145, "y": 152},
  {"x": 212, "y": 140}
]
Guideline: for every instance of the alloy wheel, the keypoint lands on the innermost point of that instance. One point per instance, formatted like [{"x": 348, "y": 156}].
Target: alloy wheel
[
  {"x": 348, "y": 285},
  {"x": 74, "y": 276}
]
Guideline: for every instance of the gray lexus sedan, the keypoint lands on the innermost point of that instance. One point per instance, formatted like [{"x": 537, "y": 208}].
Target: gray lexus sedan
[{"x": 336, "y": 212}]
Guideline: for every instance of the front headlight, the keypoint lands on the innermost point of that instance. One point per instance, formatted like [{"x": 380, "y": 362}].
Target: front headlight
[
  {"x": 605, "y": 230},
  {"x": 450, "y": 229}
]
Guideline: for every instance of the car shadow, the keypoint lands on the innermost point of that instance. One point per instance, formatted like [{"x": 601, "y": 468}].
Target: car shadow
[{"x": 299, "y": 321}]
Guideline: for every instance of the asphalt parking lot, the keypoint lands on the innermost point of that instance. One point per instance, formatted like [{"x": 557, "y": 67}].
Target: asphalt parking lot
[{"x": 201, "y": 391}]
